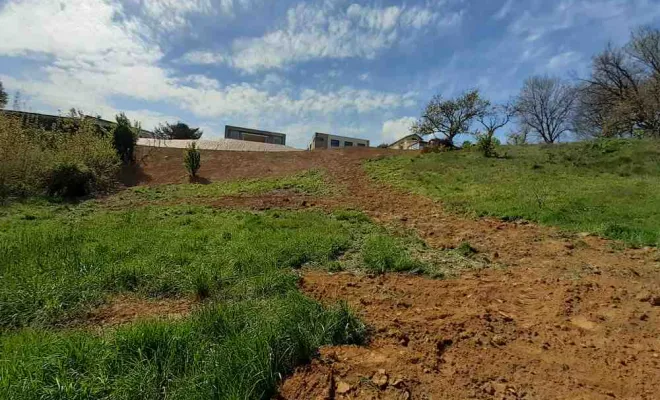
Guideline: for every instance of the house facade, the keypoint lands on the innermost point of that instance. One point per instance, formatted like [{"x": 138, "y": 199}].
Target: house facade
[
  {"x": 254, "y": 135},
  {"x": 410, "y": 142},
  {"x": 325, "y": 141}
]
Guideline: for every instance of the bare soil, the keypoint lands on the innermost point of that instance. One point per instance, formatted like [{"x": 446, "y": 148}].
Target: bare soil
[
  {"x": 569, "y": 316},
  {"x": 125, "y": 309}
]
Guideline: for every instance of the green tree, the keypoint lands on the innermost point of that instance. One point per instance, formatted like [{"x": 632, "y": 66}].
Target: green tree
[
  {"x": 3, "y": 96},
  {"x": 452, "y": 117},
  {"x": 124, "y": 138},
  {"x": 177, "y": 131}
]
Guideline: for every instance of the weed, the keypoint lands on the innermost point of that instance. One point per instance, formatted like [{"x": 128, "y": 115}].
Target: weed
[{"x": 466, "y": 250}]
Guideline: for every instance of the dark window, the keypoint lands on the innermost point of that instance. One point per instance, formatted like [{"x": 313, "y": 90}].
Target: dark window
[
  {"x": 362, "y": 145},
  {"x": 348, "y": 144},
  {"x": 277, "y": 140},
  {"x": 334, "y": 143}
]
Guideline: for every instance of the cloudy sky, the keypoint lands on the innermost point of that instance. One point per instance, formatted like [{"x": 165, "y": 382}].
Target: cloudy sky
[{"x": 362, "y": 68}]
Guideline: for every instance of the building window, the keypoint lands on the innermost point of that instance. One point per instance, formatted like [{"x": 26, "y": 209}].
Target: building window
[
  {"x": 334, "y": 143},
  {"x": 348, "y": 144},
  {"x": 362, "y": 145},
  {"x": 277, "y": 140}
]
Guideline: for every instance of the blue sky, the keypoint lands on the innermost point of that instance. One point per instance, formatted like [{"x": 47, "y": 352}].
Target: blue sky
[{"x": 362, "y": 68}]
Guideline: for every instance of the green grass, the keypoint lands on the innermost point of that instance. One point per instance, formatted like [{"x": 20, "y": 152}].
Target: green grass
[
  {"x": 311, "y": 182},
  {"x": 611, "y": 188},
  {"x": 58, "y": 261}
]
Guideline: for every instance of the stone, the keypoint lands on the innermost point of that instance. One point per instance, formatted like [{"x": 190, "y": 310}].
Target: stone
[
  {"x": 380, "y": 379},
  {"x": 342, "y": 388},
  {"x": 643, "y": 296}
]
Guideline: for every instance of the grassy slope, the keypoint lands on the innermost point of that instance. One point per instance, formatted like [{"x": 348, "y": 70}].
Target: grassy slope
[
  {"x": 310, "y": 182},
  {"x": 56, "y": 261},
  {"x": 611, "y": 188}
]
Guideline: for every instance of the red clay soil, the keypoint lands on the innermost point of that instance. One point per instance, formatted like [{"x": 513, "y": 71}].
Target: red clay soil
[
  {"x": 570, "y": 316},
  {"x": 126, "y": 309}
]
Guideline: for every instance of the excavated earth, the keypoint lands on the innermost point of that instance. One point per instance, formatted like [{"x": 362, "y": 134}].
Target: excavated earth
[{"x": 561, "y": 316}]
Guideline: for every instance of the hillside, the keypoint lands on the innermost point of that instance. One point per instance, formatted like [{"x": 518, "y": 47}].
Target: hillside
[
  {"x": 610, "y": 188},
  {"x": 408, "y": 284}
]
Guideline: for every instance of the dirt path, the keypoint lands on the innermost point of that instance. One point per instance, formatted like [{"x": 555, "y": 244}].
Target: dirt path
[{"x": 569, "y": 317}]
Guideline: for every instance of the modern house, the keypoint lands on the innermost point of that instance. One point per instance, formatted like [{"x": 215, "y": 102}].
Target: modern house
[
  {"x": 323, "y": 141},
  {"x": 253, "y": 135},
  {"x": 410, "y": 142}
]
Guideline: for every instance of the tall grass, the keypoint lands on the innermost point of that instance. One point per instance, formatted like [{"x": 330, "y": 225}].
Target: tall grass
[
  {"x": 611, "y": 188},
  {"x": 233, "y": 351},
  {"x": 255, "y": 326},
  {"x": 54, "y": 262},
  {"x": 30, "y": 155}
]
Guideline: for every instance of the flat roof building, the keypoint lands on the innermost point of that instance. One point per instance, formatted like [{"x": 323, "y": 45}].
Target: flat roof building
[
  {"x": 323, "y": 141},
  {"x": 254, "y": 135}
]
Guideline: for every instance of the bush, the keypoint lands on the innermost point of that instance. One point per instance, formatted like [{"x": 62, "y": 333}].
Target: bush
[
  {"x": 69, "y": 179},
  {"x": 124, "y": 138},
  {"x": 486, "y": 144},
  {"x": 192, "y": 159},
  {"x": 34, "y": 160},
  {"x": 467, "y": 144}
]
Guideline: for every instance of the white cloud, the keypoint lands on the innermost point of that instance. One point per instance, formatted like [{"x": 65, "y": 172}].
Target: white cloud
[
  {"x": 564, "y": 61},
  {"x": 395, "y": 129},
  {"x": 615, "y": 16},
  {"x": 80, "y": 29},
  {"x": 173, "y": 14},
  {"x": 504, "y": 11},
  {"x": 119, "y": 60},
  {"x": 202, "y": 58},
  {"x": 328, "y": 31}
]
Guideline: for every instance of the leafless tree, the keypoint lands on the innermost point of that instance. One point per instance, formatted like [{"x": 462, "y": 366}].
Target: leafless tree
[
  {"x": 621, "y": 97},
  {"x": 3, "y": 96},
  {"x": 545, "y": 105},
  {"x": 450, "y": 117},
  {"x": 491, "y": 120},
  {"x": 494, "y": 118}
]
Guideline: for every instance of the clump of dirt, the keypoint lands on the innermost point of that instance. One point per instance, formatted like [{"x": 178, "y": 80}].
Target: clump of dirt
[
  {"x": 125, "y": 309},
  {"x": 487, "y": 334}
]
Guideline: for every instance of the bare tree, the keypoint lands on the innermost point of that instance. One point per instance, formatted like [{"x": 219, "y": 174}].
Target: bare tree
[
  {"x": 495, "y": 118},
  {"x": 545, "y": 105},
  {"x": 3, "y": 96},
  {"x": 451, "y": 117},
  {"x": 621, "y": 97},
  {"x": 491, "y": 120}
]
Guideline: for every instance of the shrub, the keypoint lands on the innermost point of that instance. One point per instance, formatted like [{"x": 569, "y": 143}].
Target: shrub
[
  {"x": 467, "y": 144},
  {"x": 70, "y": 179},
  {"x": 33, "y": 160},
  {"x": 192, "y": 159},
  {"x": 125, "y": 137},
  {"x": 486, "y": 144}
]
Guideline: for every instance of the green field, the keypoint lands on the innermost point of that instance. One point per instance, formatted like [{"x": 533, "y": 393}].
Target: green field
[
  {"x": 252, "y": 325},
  {"x": 611, "y": 188}
]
